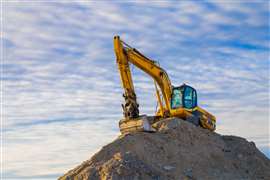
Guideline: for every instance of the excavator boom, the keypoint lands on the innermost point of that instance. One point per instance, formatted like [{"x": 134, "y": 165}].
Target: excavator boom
[{"x": 125, "y": 54}]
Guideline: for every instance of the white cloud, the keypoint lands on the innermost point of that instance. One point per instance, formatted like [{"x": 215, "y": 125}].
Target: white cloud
[{"x": 54, "y": 148}]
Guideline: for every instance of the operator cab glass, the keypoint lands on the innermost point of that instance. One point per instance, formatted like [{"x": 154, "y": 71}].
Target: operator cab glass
[{"x": 184, "y": 96}]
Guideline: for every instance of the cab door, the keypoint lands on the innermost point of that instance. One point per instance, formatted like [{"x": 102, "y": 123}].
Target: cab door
[{"x": 189, "y": 98}]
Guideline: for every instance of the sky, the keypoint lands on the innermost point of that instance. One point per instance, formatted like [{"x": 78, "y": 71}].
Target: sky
[{"x": 61, "y": 88}]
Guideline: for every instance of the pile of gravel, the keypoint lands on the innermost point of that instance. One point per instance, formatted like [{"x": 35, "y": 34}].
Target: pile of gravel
[{"x": 179, "y": 150}]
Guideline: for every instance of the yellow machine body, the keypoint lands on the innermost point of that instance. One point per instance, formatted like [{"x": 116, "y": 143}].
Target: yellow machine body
[{"x": 173, "y": 101}]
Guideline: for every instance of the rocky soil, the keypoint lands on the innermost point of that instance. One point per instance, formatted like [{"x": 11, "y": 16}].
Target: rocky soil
[{"x": 178, "y": 151}]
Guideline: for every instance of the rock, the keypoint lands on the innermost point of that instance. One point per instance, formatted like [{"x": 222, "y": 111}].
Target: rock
[
  {"x": 179, "y": 150},
  {"x": 240, "y": 156},
  {"x": 168, "y": 167},
  {"x": 169, "y": 123}
]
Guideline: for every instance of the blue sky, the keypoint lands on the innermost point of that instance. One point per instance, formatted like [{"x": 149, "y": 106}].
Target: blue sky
[{"x": 62, "y": 91}]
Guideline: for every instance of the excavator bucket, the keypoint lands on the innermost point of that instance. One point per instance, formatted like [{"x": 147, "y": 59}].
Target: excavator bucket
[{"x": 142, "y": 123}]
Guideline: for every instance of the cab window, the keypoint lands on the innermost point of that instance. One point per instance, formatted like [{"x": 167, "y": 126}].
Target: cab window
[
  {"x": 190, "y": 98},
  {"x": 194, "y": 99},
  {"x": 176, "y": 99}
]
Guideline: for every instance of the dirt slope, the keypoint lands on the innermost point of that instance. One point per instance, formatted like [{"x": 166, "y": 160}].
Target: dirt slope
[{"x": 178, "y": 151}]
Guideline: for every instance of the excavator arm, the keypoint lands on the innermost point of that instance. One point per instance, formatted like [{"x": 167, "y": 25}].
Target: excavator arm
[
  {"x": 125, "y": 55},
  {"x": 131, "y": 107}
]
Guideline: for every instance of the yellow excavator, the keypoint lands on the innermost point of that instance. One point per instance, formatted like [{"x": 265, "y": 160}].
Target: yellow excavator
[{"x": 173, "y": 101}]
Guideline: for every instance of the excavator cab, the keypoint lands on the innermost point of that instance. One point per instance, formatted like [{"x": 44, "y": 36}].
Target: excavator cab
[{"x": 184, "y": 97}]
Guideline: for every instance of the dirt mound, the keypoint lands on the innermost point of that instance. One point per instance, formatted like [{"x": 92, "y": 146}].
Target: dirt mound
[{"x": 179, "y": 151}]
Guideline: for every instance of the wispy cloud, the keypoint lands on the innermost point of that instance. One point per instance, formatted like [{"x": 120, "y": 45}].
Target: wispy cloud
[{"x": 62, "y": 91}]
